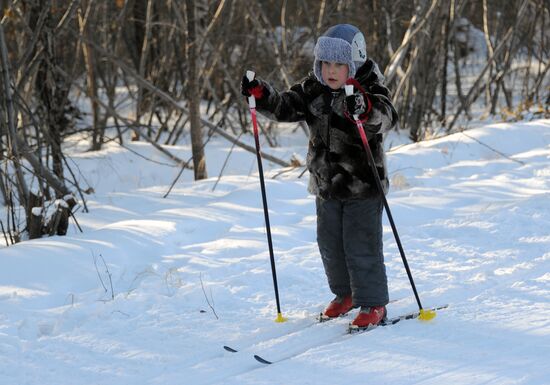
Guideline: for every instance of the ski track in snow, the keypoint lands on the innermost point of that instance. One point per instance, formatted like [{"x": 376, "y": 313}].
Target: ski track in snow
[{"x": 475, "y": 226}]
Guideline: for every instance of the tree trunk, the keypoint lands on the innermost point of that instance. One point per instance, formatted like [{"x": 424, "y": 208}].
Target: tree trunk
[
  {"x": 35, "y": 215},
  {"x": 13, "y": 148},
  {"x": 89, "y": 62},
  {"x": 53, "y": 92},
  {"x": 193, "y": 97}
]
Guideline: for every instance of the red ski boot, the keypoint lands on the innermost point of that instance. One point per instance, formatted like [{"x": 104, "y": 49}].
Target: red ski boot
[
  {"x": 337, "y": 307},
  {"x": 368, "y": 317}
]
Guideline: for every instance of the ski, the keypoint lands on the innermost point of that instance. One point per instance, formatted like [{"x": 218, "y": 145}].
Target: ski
[
  {"x": 256, "y": 357},
  {"x": 319, "y": 319},
  {"x": 262, "y": 360},
  {"x": 230, "y": 349},
  {"x": 233, "y": 350},
  {"x": 353, "y": 330}
]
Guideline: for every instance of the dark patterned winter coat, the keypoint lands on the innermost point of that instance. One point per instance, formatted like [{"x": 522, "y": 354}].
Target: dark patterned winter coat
[{"x": 336, "y": 158}]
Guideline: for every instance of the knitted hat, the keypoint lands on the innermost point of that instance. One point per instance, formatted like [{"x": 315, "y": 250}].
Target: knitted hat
[{"x": 342, "y": 43}]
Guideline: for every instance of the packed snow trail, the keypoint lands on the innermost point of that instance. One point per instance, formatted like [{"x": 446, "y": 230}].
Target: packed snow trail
[{"x": 474, "y": 223}]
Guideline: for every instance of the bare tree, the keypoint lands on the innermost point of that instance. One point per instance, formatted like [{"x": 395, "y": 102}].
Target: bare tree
[
  {"x": 194, "y": 96},
  {"x": 69, "y": 65}
]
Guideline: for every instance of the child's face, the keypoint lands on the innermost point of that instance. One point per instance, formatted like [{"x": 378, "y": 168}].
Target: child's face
[{"x": 334, "y": 74}]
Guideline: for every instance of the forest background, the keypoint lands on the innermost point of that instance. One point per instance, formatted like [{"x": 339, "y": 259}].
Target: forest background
[{"x": 169, "y": 71}]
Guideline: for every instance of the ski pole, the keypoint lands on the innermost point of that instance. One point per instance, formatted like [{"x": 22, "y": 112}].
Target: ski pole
[
  {"x": 252, "y": 105},
  {"x": 424, "y": 314}
]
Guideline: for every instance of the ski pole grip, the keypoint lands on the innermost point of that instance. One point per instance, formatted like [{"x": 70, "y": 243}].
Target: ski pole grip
[
  {"x": 251, "y": 99},
  {"x": 349, "y": 92}
]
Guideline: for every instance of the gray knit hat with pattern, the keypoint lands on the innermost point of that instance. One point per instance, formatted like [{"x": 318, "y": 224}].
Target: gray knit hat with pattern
[{"x": 342, "y": 43}]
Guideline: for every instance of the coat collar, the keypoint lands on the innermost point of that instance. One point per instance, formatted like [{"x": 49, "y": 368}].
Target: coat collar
[{"x": 369, "y": 73}]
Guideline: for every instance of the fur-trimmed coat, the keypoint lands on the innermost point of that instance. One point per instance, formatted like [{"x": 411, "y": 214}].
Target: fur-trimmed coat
[{"x": 336, "y": 158}]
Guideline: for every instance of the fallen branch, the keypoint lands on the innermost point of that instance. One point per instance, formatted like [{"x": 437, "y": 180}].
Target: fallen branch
[
  {"x": 108, "y": 275},
  {"x": 184, "y": 165},
  {"x": 225, "y": 162},
  {"x": 128, "y": 122},
  {"x": 207, "y": 300},
  {"x": 252, "y": 149},
  {"x": 169, "y": 99},
  {"x": 492, "y": 149}
]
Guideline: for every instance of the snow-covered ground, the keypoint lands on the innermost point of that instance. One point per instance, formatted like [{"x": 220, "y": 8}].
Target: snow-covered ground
[{"x": 153, "y": 288}]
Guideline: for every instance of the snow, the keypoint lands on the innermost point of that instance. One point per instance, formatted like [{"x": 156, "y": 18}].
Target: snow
[{"x": 153, "y": 288}]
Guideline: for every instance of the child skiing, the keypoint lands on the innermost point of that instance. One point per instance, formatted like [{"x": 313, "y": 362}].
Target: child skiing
[{"x": 348, "y": 203}]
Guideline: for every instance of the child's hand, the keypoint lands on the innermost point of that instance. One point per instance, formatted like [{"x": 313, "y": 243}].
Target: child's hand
[
  {"x": 251, "y": 88},
  {"x": 355, "y": 104}
]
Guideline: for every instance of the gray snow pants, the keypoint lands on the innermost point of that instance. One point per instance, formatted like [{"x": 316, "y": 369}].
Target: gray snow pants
[{"x": 349, "y": 235}]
